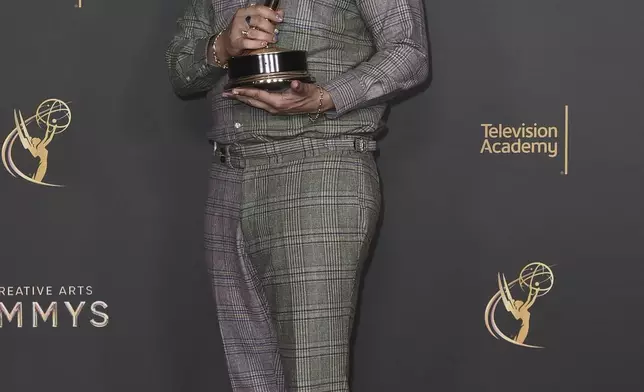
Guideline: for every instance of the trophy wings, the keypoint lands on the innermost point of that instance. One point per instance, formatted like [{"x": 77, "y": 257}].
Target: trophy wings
[
  {"x": 21, "y": 128},
  {"x": 506, "y": 296}
]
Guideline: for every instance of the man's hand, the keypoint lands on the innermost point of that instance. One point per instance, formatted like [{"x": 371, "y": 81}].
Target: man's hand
[
  {"x": 252, "y": 27},
  {"x": 298, "y": 99}
]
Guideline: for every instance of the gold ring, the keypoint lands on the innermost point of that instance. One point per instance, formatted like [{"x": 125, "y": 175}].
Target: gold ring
[{"x": 244, "y": 33}]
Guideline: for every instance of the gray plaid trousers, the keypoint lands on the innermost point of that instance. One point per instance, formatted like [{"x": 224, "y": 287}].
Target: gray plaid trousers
[{"x": 285, "y": 244}]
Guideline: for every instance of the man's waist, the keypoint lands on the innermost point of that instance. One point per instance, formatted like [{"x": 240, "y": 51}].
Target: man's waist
[
  {"x": 239, "y": 117},
  {"x": 359, "y": 143}
]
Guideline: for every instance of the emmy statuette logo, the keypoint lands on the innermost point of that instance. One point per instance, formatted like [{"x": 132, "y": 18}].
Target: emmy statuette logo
[
  {"x": 535, "y": 280},
  {"x": 52, "y": 118}
]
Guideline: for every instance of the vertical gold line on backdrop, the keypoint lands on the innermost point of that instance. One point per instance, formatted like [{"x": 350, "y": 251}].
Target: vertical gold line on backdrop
[{"x": 566, "y": 142}]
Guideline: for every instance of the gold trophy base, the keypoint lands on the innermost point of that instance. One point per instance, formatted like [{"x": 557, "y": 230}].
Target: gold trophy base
[{"x": 271, "y": 81}]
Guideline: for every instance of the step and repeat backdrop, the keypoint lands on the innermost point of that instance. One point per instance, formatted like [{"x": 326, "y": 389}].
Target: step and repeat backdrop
[{"x": 512, "y": 245}]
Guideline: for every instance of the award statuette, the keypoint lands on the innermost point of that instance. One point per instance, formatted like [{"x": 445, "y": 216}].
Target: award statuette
[{"x": 269, "y": 68}]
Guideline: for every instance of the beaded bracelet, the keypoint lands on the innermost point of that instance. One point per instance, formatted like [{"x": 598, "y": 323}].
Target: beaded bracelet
[
  {"x": 319, "y": 111},
  {"x": 214, "y": 52}
]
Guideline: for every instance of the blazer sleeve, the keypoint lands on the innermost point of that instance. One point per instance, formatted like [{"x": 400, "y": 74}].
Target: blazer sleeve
[
  {"x": 187, "y": 54},
  {"x": 401, "y": 60}
]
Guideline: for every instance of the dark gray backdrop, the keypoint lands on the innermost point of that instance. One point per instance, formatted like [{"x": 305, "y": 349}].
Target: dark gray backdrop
[{"x": 135, "y": 164}]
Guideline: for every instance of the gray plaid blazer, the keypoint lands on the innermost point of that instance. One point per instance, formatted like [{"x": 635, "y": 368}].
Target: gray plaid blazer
[{"x": 363, "y": 52}]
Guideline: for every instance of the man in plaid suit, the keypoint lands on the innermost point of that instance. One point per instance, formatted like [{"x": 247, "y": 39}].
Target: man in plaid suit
[{"x": 294, "y": 192}]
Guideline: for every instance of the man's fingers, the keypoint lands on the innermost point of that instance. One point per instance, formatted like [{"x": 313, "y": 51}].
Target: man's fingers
[
  {"x": 253, "y": 44},
  {"x": 298, "y": 87},
  {"x": 274, "y": 100},
  {"x": 253, "y": 28},
  {"x": 264, "y": 12},
  {"x": 258, "y": 35},
  {"x": 281, "y": 101},
  {"x": 263, "y": 24},
  {"x": 256, "y": 103},
  {"x": 257, "y": 94}
]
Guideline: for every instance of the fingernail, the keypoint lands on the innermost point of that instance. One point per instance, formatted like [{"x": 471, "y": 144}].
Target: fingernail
[
  {"x": 279, "y": 18},
  {"x": 226, "y": 95},
  {"x": 236, "y": 92},
  {"x": 275, "y": 38},
  {"x": 264, "y": 43}
]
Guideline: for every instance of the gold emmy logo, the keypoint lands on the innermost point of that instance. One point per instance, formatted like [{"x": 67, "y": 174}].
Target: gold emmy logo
[
  {"x": 537, "y": 280},
  {"x": 52, "y": 118}
]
